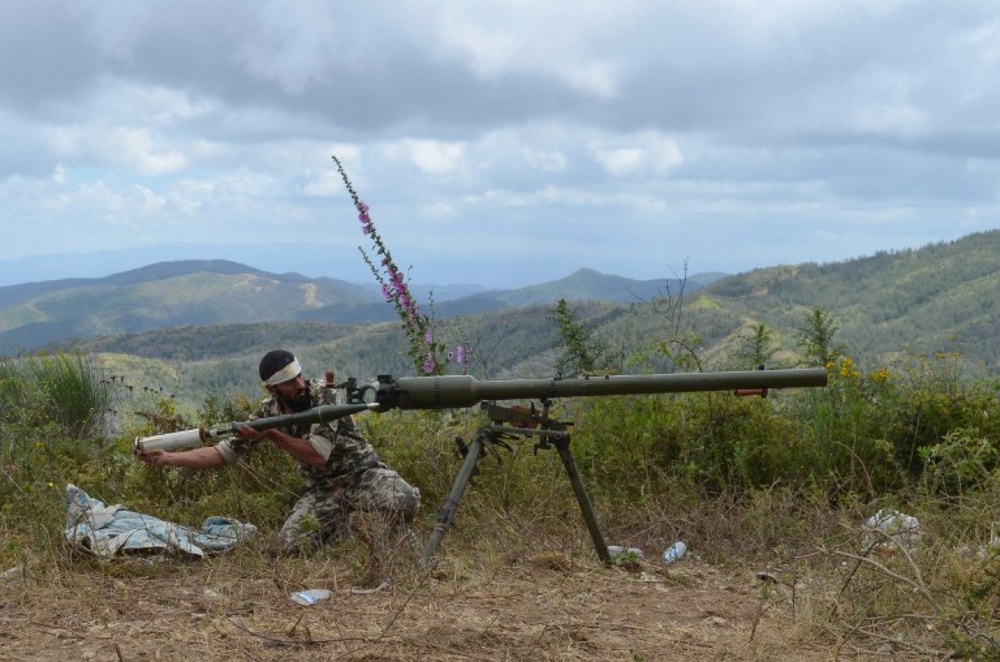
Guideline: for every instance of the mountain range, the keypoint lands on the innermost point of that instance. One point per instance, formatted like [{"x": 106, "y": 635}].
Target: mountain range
[
  {"x": 940, "y": 299},
  {"x": 215, "y": 292}
]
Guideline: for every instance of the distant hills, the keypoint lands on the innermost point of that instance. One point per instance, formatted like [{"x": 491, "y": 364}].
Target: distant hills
[
  {"x": 199, "y": 326},
  {"x": 942, "y": 298},
  {"x": 219, "y": 292}
]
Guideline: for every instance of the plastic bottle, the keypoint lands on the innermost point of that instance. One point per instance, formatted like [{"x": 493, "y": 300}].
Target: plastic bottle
[
  {"x": 674, "y": 552},
  {"x": 310, "y": 597}
]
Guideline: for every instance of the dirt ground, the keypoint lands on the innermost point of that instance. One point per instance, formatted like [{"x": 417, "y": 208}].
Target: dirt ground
[{"x": 545, "y": 607}]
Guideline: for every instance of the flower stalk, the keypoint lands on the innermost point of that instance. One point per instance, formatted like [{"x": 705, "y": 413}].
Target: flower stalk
[{"x": 424, "y": 351}]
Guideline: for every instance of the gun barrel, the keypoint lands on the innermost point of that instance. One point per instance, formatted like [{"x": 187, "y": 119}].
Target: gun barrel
[
  {"x": 195, "y": 438},
  {"x": 455, "y": 391},
  {"x": 320, "y": 414}
]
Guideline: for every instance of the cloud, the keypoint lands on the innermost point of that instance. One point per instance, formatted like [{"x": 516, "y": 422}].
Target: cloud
[
  {"x": 545, "y": 160},
  {"x": 628, "y": 155},
  {"x": 542, "y": 45},
  {"x": 291, "y": 45},
  {"x": 565, "y": 128},
  {"x": 135, "y": 148},
  {"x": 431, "y": 157}
]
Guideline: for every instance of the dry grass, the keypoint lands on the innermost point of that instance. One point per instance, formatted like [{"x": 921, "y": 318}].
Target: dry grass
[
  {"x": 501, "y": 590},
  {"x": 532, "y": 609}
]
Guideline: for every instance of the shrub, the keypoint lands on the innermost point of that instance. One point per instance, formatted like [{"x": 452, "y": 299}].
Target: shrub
[{"x": 68, "y": 390}]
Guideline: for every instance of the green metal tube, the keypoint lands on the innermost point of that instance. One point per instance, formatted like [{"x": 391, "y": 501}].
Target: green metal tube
[
  {"x": 455, "y": 391},
  {"x": 320, "y": 414},
  {"x": 193, "y": 438}
]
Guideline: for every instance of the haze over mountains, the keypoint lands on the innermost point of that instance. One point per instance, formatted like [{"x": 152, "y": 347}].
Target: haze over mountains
[
  {"x": 212, "y": 292},
  {"x": 941, "y": 298},
  {"x": 311, "y": 260}
]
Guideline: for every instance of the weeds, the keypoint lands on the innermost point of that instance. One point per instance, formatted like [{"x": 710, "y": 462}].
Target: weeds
[{"x": 781, "y": 485}]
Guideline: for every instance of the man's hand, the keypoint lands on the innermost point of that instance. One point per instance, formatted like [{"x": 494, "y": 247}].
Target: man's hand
[
  {"x": 155, "y": 458},
  {"x": 297, "y": 447},
  {"x": 252, "y": 435}
]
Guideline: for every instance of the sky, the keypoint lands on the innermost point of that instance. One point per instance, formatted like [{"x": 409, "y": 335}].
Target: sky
[{"x": 504, "y": 143}]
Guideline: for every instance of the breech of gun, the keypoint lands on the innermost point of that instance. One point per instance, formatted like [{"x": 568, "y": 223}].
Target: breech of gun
[{"x": 170, "y": 441}]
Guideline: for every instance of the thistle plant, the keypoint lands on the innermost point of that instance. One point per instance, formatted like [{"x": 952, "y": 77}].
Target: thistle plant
[{"x": 425, "y": 352}]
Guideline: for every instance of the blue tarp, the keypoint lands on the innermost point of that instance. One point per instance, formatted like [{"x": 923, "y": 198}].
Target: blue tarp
[{"x": 114, "y": 530}]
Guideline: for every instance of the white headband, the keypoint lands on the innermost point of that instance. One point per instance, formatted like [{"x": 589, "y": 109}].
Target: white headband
[{"x": 289, "y": 372}]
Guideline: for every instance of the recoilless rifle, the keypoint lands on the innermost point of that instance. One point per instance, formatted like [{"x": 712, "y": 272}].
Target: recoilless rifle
[{"x": 463, "y": 391}]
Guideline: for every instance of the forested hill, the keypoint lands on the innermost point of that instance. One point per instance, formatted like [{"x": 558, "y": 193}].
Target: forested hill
[
  {"x": 944, "y": 297},
  {"x": 940, "y": 298},
  {"x": 217, "y": 292}
]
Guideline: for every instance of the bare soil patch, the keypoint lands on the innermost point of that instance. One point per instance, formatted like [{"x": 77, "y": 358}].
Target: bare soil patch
[{"x": 545, "y": 607}]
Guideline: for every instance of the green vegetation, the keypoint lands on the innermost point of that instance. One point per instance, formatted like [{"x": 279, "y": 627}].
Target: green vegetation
[
  {"x": 938, "y": 299},
  {"x": 787, "y": 480},
  {"x": 909, "y": 422}
]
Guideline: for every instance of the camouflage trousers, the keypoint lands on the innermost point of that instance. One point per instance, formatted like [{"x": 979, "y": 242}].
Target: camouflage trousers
[{"x": 324, "y": 513}]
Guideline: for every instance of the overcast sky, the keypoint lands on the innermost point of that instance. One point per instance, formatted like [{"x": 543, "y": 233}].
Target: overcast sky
[{"x": 503, "y": 143}]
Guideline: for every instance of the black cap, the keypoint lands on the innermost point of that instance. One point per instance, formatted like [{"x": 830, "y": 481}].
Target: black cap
[{"x": 274, "y": 361}]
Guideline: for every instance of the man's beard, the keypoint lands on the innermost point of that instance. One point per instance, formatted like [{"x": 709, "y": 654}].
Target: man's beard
[{"x": 300, "y": 402}]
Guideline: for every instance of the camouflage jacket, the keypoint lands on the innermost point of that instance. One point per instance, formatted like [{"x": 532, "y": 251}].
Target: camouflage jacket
[{"x": 349, "y": 455}]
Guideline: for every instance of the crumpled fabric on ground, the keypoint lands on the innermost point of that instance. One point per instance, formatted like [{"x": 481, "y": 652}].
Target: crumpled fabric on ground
[{"x": 110, "y": 531}]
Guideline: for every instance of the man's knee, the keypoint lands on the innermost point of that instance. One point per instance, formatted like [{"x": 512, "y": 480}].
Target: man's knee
[
  {"x": 292, "y": 542},
  {"x": 386, "y": 491},
  {"x": 408, "y": 503},
  {"x": 308, "y": 528}
]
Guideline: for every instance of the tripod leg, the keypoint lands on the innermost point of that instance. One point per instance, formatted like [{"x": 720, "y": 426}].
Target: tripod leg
[
  {"x": 562, "y": 445},
  {"x": 447, "y": 512}
]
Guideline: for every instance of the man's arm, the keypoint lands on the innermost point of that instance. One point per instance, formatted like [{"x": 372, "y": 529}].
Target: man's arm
[
  {"x": 297, "y": 447},
  {"x": 198, "y": 458}
]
